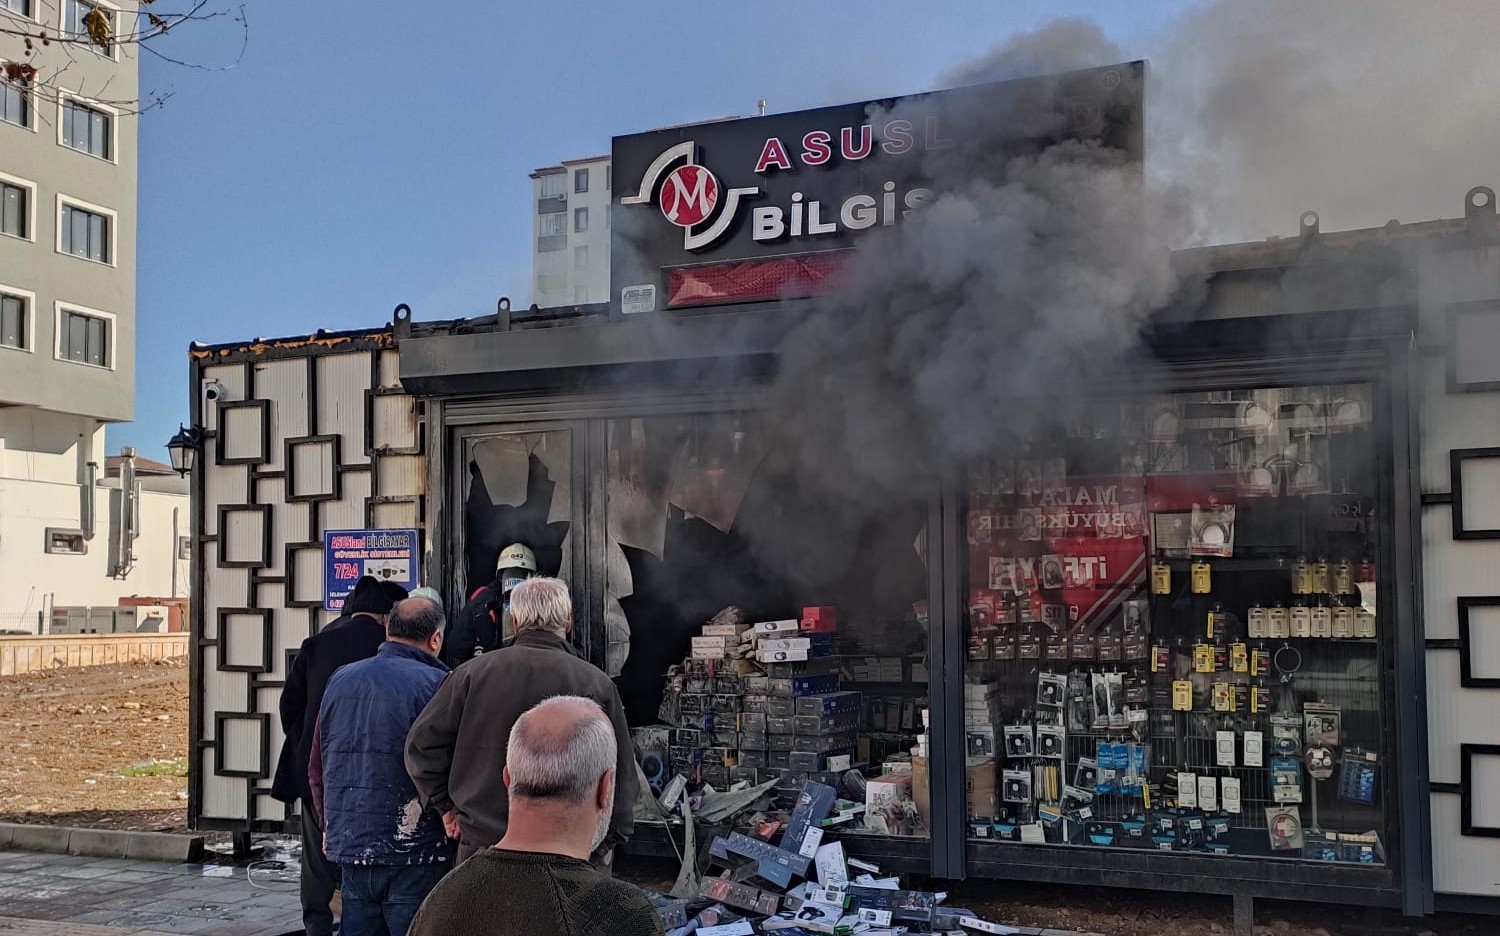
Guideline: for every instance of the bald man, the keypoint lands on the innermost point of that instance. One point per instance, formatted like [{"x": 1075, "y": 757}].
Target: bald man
[{"x": 560, "y": 777}]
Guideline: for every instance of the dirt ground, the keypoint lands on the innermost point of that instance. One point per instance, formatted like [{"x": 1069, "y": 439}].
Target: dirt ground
[
  {"x": 100, "y": 746},
  {"x": 106, "y": 746}
]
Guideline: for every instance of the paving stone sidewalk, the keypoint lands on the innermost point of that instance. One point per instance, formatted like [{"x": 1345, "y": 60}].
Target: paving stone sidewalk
[{"x": 43, "y": 895}]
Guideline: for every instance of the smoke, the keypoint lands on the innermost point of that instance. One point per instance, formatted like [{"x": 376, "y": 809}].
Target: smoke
[
  {"x": 1361, "y": 110},
  {"x": 982, "y": 320}
]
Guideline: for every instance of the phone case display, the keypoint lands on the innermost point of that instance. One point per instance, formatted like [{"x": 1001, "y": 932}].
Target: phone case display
[{"x": 1173, "y": 628}]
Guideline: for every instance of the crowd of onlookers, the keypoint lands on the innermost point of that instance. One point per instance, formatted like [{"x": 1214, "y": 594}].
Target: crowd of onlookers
[{"x": 476, "y": 791}]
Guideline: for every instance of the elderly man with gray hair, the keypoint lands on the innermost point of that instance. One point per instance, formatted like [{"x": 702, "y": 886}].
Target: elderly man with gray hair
[
  {"x": 456, "y": 751},
  {"x": 560, "y": 772}
]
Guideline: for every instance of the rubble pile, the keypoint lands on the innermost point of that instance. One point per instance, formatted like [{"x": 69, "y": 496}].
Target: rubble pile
[{"x": 762, "y": 734}]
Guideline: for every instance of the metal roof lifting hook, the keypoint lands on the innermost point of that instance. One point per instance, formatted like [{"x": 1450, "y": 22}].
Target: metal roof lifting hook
[
  {"x": 1308, "y": 228},
  {"x": 1480, "y": 212}
]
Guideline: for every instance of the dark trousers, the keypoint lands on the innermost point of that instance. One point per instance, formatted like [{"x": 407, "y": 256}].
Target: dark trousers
[
  {"x": 380, "y": 900},
  {"x": 320, "y": 877}
]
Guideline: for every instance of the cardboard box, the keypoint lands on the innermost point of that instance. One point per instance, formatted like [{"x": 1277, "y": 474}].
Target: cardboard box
[
  {"x": 768, "y": 628},
  {"x": 781, "y": 707},
  {"x": 817, "y": 743},
  {"x": 981, "y": 789},
  {"x": 716, "y": 643},
  {"x": 814, "y": 725},
  {"x": 724, "y": 630},
  {"x": 831, "y": 703},
  {"x": 887, "y": 790},
  {"x": 798, "y": 686},
  {"x": 817, "y": 760}
]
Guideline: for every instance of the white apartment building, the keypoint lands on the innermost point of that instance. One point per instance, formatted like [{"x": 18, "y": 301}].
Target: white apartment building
[
  {"x": 570, "y": 232},
  {"x": 69, "y": 533}
]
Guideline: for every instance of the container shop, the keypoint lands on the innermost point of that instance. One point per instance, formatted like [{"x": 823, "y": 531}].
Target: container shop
[{"x": 1229, "y": 634}]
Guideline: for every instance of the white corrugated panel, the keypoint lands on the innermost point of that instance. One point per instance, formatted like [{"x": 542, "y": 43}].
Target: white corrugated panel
[
  {"x": 348, "y": 512},
  {"x": 244, "y": 536},
  {"x": 227, "y": 588},
  {"x": 241, "y": 744},
  {"x": 395, "y": 421},
  {"x": 223, "y": 484},
  {"x": 243, "y": 432},
  {"x": 342, "y": 382},
  {"x": 288, "y": 520},
  {"x": 401, "y": 515},
  {"x": 1452, "y": 421},
  {"x": 223, "y": 691},
  {"x": 232, "y": 376},
  {"x": 1461, "y": 864},
  {"x": 284, "y": 383},
  {"x": 313, "y": 468},
  {"x": 269, "y": 808},
  {"x": 390, "y": 369},
  {"x": 1479, "y": 478},
  {"x": 402, "y": 475},
  {"x": 242, "y": 642},
  {"x": 307, "y": 574},
  {"x": 223, "y": 797},
  {"x": 1451, "y": 569}
]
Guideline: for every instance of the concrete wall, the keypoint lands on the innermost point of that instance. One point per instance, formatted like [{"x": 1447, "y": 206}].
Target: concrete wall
[
  {"x": 34, "y": 267},
  {"x": 20, "y": 655}
]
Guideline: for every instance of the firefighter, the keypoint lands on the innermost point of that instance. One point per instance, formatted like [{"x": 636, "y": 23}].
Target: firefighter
[{"x": 483, "y": 624}]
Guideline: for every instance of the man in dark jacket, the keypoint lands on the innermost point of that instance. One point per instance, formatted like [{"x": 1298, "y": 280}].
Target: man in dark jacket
[
  {"x": 302, "y": 694},
  {"x": 455, "y": 752},
  {"x": 389, "y": 849}
]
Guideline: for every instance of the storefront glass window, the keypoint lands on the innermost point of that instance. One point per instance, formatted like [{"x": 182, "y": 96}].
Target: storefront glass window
[
  {"x": 1174, "y": 641},
  {"x": 709, "y": 512},
  {"x": 518, "y": 490}
]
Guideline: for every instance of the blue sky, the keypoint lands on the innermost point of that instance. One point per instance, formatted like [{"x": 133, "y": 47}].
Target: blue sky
[{"x": 361, "y": 156}]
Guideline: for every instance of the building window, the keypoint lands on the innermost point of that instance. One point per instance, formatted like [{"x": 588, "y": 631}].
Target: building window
[
  {"x": 66, "y": 542},
  {"x": 15, "y": 103},
  {"x": 581, "y": 258},
  {"x": 15, "y": 210},
  {"x": 85, "y": 234},
  {"x": 580, "y": 220},
  {"x": 75, "y": 20},
  {"x": 580, "y": 181},
  {"x": 14, "y": 319},
  {"x": 86, "y": 129},
  {"x": 83, "y": 338},
  {"x": 552, "y": 185},
  {"x": 18, "y": 7},
  {"x": 548, "y": 225}
]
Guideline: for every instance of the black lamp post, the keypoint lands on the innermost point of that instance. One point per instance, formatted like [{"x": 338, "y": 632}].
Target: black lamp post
[{"x": 184, "y": 449}]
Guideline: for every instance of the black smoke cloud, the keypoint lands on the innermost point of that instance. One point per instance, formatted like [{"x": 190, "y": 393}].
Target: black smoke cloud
[{"x": 982, "y": 319}]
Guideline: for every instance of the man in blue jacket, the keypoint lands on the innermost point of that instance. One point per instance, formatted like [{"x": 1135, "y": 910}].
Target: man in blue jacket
[{"x": 390, "y": 850}]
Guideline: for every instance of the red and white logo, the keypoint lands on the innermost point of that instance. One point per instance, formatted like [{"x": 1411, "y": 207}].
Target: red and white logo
[{"x": 689, "y": 195}]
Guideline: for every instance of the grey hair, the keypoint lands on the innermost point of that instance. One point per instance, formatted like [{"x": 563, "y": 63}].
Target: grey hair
[
  {"x": 541, "y": 603},
  {"x": 414, "y": 619},
  {"x": 550, "y": 762}
]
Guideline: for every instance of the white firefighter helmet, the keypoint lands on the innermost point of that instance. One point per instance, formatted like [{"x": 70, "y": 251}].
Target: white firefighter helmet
[{"x": 516, "y": 564}]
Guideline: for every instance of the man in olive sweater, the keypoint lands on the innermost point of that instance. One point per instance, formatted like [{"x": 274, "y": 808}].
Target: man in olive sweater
[
  {"x": 456, "y": 750},
  {"x": 561, "y": 759}
]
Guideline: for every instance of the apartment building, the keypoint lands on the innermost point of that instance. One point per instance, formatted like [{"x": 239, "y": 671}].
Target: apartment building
[
  {"x": 67, "y": 314},
  {"x": 570, "y": 232}
]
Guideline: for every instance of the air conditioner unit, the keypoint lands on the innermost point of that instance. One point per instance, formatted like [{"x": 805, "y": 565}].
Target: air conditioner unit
[{"x": 562, "y": 196}]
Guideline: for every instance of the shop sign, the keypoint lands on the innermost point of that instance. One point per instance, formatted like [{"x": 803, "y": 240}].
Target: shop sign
[
  {"x": 389, "y": 555},
  {"x": 760, "y": 208}
]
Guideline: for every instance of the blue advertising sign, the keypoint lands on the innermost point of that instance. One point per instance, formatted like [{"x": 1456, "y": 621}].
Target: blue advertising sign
[{"x": 389, "y": 555}]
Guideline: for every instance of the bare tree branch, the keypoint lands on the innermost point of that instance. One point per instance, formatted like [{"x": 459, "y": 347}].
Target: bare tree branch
[{"x": 45, "y": 81}]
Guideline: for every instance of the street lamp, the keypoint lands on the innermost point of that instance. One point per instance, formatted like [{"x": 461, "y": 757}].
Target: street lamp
[{"x": 184, "y": 448}]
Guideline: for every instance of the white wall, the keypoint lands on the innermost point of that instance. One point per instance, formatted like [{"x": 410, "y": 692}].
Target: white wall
[{"x": 42, "y": 458}]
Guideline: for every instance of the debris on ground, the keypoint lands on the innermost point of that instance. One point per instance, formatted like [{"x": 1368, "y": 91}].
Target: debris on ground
[{"x": 97, "y": 746}]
